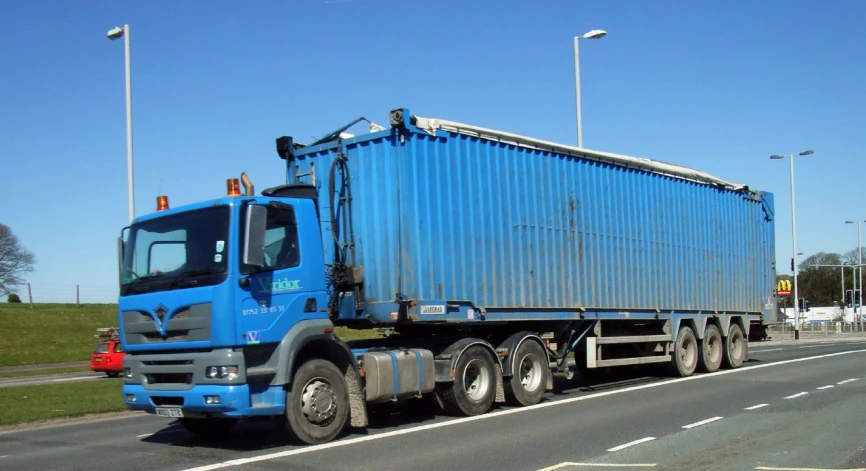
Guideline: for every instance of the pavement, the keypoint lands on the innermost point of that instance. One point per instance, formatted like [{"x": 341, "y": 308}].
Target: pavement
[{"x": 792, "y": 406}]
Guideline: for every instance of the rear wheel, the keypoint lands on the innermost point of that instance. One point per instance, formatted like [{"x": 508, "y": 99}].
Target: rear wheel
[
  {"x": 474, "y": 387},
  {"x": 531, "y": 372},
  {"x": 711, "y": 349},
  {"x": 112, "y": 374},
  {"x": 735, "y": 347},
  {"x": 685, "y": 354},
  {"x": 317, "y": 403},
  {"x": 209, "y": 428}
]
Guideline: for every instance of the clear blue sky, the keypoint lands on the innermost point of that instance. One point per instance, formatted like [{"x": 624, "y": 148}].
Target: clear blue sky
[{"x": 717, "y": 86}]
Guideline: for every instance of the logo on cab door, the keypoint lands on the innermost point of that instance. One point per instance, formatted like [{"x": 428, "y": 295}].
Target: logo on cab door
[{"x": 284, "y": 285}]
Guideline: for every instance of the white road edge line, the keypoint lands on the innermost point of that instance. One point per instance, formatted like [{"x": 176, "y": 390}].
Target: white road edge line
[
  {"x": 600, "y": 465},
  {"x": 847, "y": 381},
  {"x": 825, "y": 387},
  {"x": 493, "y": 415},
  {"x": 77, "y": 378},
  {"x": 812, "y": 346},
  {"x": 792, "y": 396},
  {"x": 758, "y": 406},
  {"x": 808, "y": 469},
  {"x": 636, "y": 442},
  {"x": 703, "y": 422},
  {"x": 767, "y": 350}
]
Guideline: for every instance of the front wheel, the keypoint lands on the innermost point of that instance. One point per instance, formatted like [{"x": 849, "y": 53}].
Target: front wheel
[
  {"x": 317, "y": 403},
  {"x": 474, "y": 387},
  {"x": 531, "y": 372}
]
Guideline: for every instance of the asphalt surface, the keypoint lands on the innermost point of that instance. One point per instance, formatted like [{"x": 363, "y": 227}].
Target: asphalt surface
[
  {"x": 716, "y": 421},
  {"x": 51, "y": 379}
]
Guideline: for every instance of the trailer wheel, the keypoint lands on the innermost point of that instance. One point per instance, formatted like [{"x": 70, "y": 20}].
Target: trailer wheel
[
  {"x": 474, "y": 387},
  {"x": 317, "y": 403},
  {"x": 685, "y": 354},
  {"x": 531, "y": 372},
  {"x": 735, "y": 347},
  {"x": 711, "y": 349},
  {"x": 210, "y": 428}
]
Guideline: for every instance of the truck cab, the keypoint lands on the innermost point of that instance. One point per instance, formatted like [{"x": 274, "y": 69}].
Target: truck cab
[{"x": 207, "y": 294}]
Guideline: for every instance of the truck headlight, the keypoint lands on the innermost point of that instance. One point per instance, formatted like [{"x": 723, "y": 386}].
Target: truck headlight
[
  {"x": 222, "y": 372},
  {"x": 127, "y": 372}
]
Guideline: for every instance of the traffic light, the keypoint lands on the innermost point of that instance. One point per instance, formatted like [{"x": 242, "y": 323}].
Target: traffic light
[
  {"x": 800, "y": 304},
  {"x": 803, "y": 304},
  {"x": 849, "y": 298},
  {"x": 857, "y": 298}
]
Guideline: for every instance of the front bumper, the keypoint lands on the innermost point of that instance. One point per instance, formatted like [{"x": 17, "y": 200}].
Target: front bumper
[{"x": 235, "y": 401}]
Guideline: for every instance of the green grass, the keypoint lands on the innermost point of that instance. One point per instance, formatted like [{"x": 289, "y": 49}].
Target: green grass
[
  {"x": 31, "y": 403},
  {"x": 47, "y": 371},
  {"x": 50, "y": 333}
]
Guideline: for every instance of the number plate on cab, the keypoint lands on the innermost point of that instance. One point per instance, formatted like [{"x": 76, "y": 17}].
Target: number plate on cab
[{"x": 169, "y": 412}]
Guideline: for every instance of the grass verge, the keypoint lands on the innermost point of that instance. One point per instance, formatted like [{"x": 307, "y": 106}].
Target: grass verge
[
  {"x": 51, "y": 333},
  {"x": 31, "y": 403},
  {"x": 47, "y": 371}
]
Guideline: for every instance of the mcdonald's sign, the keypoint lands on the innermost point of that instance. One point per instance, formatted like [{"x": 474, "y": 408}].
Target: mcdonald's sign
[{"x": 783, "y": 289}]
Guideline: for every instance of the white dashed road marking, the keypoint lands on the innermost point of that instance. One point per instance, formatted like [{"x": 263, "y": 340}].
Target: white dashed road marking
[
  {"x": 703, "y": 422},
  {"x": 756, "y": 407},
  {"x": 599, "y": 465},
  {"x": 792, "y": 396},
  {"x": 825, "y": 387},
  {"x": 847, "y": 381},
  {"x": 636, "y": 442}
]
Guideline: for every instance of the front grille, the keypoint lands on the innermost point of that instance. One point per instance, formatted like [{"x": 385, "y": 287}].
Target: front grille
[
  {"x": 167, "y": 362},
  {"x": 167, "y": 401},
  {"x": 191, "y": 323},
  {"x": 169, "y": 378}
]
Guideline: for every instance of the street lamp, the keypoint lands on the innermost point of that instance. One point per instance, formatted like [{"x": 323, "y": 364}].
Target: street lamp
[
  {"x": 594, "y": 34},
  {"x": 858, "y": 283},
  {"x": 113, "y": 34},
  {"x": 794, "y": 236}
]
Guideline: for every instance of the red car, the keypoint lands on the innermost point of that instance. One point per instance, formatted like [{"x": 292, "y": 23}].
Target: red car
[{"x": 107, "y": 357}]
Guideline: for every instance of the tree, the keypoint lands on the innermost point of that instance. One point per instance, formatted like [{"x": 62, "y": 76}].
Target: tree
[
  {"x": 15, "y": 261},
  {"x": 820, "y": 285}
]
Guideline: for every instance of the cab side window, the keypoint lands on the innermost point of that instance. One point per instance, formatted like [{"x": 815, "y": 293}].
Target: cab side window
[{"x": 282, "y": 249}]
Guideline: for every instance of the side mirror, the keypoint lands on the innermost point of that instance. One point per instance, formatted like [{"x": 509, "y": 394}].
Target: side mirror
[
  {"x": 254, "y": 235},
  {"x": 121, "y": 246}
]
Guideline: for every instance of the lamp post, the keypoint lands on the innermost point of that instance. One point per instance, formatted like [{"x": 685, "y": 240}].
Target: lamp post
[
  {"x": 594, "y": 34},
  {"x": 858, "y": 281},
  {"x": 794, "y": 236},
  {"x": 113, "y": 34}
]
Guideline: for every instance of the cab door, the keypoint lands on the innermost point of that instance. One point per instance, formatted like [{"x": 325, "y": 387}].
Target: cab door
[{"x": 286, "y": 289}]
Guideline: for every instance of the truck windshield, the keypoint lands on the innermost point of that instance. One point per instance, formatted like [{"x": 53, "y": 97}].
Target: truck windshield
[{"x": 176, "y": 251}]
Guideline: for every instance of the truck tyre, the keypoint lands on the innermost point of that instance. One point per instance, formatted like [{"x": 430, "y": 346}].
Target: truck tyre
[
  {"x": 531, "y": 372},
  {"x": 210, "y": 428},
  {"x": 735, "y": 347},
  {"x": 317, "y": 403},
  {"x": 711, "y": 349},
  {"x": 474, "y": 387},
  {"x": 685, "y": 354}
]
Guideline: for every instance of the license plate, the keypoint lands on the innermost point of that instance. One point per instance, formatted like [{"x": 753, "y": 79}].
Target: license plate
[
  {"x": 169, "y": 412},
  {"x": 97, "y": 360}
]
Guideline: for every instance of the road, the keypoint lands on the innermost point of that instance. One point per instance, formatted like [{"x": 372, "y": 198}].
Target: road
[
  {"x": 51, "y": 379},
  {"x": 791, "y": 407}
]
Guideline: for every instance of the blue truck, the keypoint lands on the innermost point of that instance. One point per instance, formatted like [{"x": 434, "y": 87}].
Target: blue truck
[{"x": 479, "y": 259}]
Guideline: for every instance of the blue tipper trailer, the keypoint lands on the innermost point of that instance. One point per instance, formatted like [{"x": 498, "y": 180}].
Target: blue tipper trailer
[{"x": 488, "y": 256}]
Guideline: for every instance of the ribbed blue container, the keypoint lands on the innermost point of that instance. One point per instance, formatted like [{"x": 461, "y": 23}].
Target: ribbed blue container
[{"x": 474, "y": 223}]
